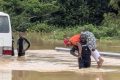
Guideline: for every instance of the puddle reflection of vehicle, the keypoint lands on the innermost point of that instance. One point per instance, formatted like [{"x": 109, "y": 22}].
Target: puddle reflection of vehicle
[{"x": 5, "y": 34}]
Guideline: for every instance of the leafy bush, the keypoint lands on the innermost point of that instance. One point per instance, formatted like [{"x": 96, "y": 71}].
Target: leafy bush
[{"x": 41, "y": 27}]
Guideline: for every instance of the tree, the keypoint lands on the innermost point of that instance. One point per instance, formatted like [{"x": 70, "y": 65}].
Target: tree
[
  {"x": 70, "y": 12},
  {"x": 73, "y": 12}
]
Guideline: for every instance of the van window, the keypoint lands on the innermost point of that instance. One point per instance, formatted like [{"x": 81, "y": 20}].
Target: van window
[{"x": 4, "y": 24}]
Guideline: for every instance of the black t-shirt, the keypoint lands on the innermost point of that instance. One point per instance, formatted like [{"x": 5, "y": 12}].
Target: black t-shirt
[
  {"x": 20, "y": 44},
  {"x": 85, "y": 50}
]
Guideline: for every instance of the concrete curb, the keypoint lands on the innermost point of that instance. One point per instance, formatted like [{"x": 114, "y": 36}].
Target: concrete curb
[{"x": 109, "y": 54}]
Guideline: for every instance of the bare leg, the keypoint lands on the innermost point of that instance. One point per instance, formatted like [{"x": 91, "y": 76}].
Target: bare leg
[
  {"x": 100, "y": 62},
  {"x": 98, "y": 58}
]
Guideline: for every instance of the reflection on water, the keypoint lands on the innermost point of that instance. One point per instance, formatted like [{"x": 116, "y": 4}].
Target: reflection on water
[
  {"x": 64, "y": 75},
  {"x": 5, "y": 75},
  {"x": 32, "y": 75}
]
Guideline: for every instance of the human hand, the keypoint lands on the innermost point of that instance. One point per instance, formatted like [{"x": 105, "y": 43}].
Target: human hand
[{"x": 79, "y": 56}]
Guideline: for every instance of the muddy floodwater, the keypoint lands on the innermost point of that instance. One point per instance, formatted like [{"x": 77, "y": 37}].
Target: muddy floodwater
[
  {"x": 41, "y": 41},
  {"x": 33, "y": 75},
  {"x": 42, "y": 62},
  {"x": 102, "y": 45},
  {"x": 55, "y": 65}
]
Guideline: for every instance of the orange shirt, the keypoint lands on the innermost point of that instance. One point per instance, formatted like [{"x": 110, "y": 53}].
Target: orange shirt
[{"x": 75, "y": 39}]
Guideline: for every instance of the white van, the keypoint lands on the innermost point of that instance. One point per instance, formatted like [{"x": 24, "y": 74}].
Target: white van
[{"x": 5, "y": 34}]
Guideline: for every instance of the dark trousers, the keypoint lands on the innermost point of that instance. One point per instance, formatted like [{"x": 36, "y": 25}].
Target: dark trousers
[
  {"x": 13, "y": 51},
  {"x": 85, "y": 60},
  {"x": 84, "y": 63},
  {"x": 21, "y": 54}
]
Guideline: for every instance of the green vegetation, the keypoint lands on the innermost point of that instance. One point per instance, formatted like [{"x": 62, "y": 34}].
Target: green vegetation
[{"x": 59, "y": 17}]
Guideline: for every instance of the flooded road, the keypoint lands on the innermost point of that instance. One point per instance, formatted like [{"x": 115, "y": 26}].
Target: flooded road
[
  {"x": 54, "y": 65},
  {"x": 47, "y": 64}
]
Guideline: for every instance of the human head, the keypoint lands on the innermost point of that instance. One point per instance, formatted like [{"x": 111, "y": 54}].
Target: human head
[
  {"x": 82, "y": 37},
  {"x": 21, "y": 34},
  {"x": 67, "y": 42}
]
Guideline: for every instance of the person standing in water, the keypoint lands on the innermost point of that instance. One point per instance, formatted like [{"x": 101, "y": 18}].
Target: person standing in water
[
  {"x": 85, "y": 60},
  {"x": 91, "y": 42},
  {"x": 21, "y": 42},
  {"x": 78, "y": 43}
]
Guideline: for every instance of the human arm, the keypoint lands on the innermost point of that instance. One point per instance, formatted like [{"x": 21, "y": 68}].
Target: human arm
[
  {"x": 73, "y": 51},
  {"x": 79, "y": 49},
  {"x": 27, "y": 43}
]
